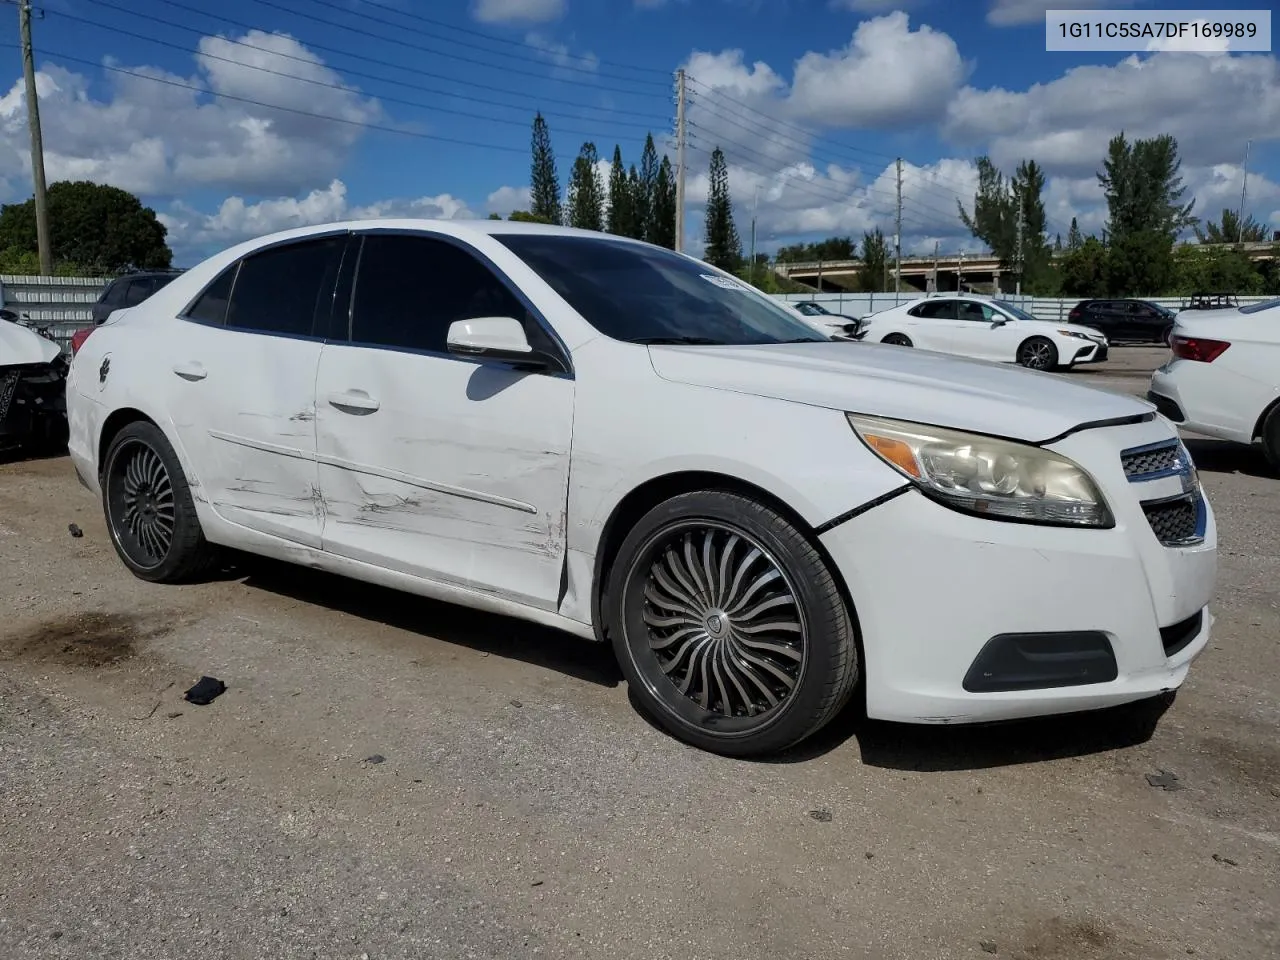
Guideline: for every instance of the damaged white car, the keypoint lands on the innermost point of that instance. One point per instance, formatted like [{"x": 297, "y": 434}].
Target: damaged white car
[
  {"x": 623, "y": 442},
  {"x": 33, "y": 371}
]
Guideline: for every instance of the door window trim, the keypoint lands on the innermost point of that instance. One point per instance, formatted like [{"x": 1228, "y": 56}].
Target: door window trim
[{"x": 557, "y": 346}]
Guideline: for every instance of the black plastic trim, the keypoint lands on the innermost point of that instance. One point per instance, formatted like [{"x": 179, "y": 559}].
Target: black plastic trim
[
  {"x": 1042, "y": 661},
  {"x": 1177, "y": 637},
  {"x": 859, "y": 511}
]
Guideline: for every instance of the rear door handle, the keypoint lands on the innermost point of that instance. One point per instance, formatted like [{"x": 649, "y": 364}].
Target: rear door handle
[
  {"x": 354, "y": 401},
  {"x": 191, "y": 370}
]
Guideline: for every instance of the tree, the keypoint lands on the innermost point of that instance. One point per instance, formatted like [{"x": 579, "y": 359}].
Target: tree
[
  {"x": 833, "y": 248},
  {"x": 544, "y": 180},
  {"x": 524, "y": 216},
  {"x": 1083, "y": 270},
  {"x": 586, "y": 196},
  {"x": 1074, "y": 240},
  {"x": 875, "y": 260},
  {"x": 994, "y": 218},
  {"x": 723, "y": 248},
  {"x": 646, "y": 195},
  {"x": 93, "y": 229},
  {"x": 1027, "y": 189},
  {"x": 621, "y": 219},
  {"x": 662, "y": 226},
  {"x": 495, "y": 216},
  {"x": 1230, "y": 229},
  {"x": 635, "y": 195},
  {"x": 1197, "y": 270}
]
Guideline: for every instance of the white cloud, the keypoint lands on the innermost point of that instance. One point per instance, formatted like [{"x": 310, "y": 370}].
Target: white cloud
[
  {"x": 1212, "y": 105},
  {"x": 506, "y": 200},
  {"x": 511, "y": 11},
  {"x": 1206, "y": 46},
  {"x": 1019, "y": 13},
  {"x": 560, "y": 54},
  {"x": 159, "y": 139},
  {"x": 871, "y": 6},
  {"x": 888, "y": 76},
  {"x": 197, "y": 234}
]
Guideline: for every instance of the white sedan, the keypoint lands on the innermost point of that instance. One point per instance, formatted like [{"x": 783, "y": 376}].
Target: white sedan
[
  {"x": 983, "y": 328},
  {"x": 1224, "y": 377},
  {"x": 620, "y": 441}
]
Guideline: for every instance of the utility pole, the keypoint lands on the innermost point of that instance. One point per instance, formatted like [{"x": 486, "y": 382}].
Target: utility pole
[
  {"x": 1018, "y": 255},
  {"x": 755, "y": 208},
  {"x": 1244, "y": 187},
  {"x": 960, "y": 274},
  {"x": 897, "y": 237},
  {"x": 681, "y": 136},
  {"x": 935, "y": 267},
  {"x": 37, "y": 145}
]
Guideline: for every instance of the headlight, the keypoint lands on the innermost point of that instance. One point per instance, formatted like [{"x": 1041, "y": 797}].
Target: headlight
[
  {"x": 989, "y": 477},
  {"x": 1075, "y": 333}
]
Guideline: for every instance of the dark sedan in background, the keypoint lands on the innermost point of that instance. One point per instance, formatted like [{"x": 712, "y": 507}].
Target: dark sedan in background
[{"x": 1125, "y": 319}]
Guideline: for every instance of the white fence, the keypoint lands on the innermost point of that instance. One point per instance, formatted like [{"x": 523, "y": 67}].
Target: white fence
[
  {"x": 859, "y": 305},
  {"x": 64, "y": 304}
]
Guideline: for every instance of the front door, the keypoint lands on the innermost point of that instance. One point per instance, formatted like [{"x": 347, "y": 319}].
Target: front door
[
  {"x": 241, "y": 387},
  {"x": 449, "y": 468},
  {"x": 978, "y": 332}
]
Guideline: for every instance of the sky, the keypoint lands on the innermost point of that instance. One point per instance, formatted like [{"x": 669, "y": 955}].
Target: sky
[{"x": 236, "y": 119}]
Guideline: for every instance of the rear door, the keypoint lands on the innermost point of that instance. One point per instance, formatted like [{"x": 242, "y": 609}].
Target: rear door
[{"x": 241, "y": 381}]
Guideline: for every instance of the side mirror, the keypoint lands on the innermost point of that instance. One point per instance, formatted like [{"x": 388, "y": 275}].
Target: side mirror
[
  {"x": 493, "y": 338},
  {"x": 999, "y": 322}
]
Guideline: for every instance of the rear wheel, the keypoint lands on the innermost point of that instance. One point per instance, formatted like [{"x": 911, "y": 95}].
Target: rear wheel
[
  {"x": 1271, "y": 439},
  {"x": 730, "y": 629},
  {"x": 1038, "y": 353},
  {"x": 149, "y": 509},
  {"x": 1166, "y": 336},
  {"x": 897, "y": 339}
]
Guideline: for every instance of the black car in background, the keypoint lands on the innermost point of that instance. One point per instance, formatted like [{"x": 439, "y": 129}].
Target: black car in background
[
  {"x": 129, "y": 291},
  {"x": 1125, "y": 319}
]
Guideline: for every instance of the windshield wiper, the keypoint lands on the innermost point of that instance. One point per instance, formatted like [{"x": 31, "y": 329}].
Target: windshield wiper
[{"x": 676, "y": 340}]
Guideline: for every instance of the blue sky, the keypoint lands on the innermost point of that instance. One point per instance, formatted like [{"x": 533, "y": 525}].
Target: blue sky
[{"x": 810, "y": 99}]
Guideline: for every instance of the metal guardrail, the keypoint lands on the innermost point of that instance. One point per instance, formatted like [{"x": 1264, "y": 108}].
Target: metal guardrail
[{"x": 64, "y": 304}]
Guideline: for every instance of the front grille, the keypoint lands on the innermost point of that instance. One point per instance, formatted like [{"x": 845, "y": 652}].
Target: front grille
[
  {"x": 1101, "y": 354},
  {"x": 1145, "y": 461},
  {"x": 1174, "y": 522},
  {"x": 1176, "y": 637}
]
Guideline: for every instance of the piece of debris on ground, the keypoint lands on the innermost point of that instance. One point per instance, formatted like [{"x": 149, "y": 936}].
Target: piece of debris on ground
[{"x": 205, "y": 691}]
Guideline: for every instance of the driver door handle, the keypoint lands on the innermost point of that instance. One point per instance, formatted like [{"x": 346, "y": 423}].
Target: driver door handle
[
  {"x": 191, "y": 370},
  {"x": 354, "y": 401}
]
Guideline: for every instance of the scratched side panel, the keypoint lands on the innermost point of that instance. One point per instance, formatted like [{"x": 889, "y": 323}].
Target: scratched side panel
[{"x": 459, "y": 476}]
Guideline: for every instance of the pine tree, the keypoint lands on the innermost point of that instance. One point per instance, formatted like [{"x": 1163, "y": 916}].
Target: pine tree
[
  {"x": 723, "y": 247},
  {"x": 586, "y": 198},
  {"x": 544, "y": 180},
  {"x": 646, "y": 196},
  {"x": 635, "y": 196},
  {"x": 662, "y": 225},
  {"x": 875, "y": 258},
  {"x": 1074, "y": 240},
  {"x": 620, "y": 205}
]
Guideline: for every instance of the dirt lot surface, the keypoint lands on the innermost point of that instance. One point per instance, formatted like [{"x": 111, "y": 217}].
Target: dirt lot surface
[{"x": 391, "y": 778}]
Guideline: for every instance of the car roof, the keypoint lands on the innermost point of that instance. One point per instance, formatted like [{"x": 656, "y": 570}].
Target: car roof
[{"x": 456, "y": 228}]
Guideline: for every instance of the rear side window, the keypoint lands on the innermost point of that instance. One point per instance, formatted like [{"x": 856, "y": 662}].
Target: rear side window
[
  {"x": 211, "y": 306},
  {"x": 410, "y": 289},
  {"x": 935, "y": 310},
  {"x": 280, "y": 290},
  {"x": 139, "y": 289},
  {"x": 113, "y": 296}
]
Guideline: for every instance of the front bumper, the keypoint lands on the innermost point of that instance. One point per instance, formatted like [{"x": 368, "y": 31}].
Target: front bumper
[
  {"x": 33, "y": 408},
  {"x": 932, "y": 587},
  {"x": 1090, "y": 353}
]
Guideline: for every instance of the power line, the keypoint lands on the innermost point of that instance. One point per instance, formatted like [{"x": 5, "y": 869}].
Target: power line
[
  {"x": 345, "y": 89},
  {"x": 418, "y": 48},
  {"x": 302, "y": 113},
  {"x": 492, "y": 39},
  {"x": 452, "y": 56},
  {"x": 538, "y": 100}
]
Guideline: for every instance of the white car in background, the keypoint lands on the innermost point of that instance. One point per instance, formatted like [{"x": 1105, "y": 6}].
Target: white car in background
[
  {"x": 984, "y": 328},
  {"x": 832, "y": 324},
  {"x": 1223, "y": 379},
  {"x": 622, "y": 442}
]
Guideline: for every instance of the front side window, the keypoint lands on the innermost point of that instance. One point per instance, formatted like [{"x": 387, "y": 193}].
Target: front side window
[
  {"x": 281, "y": 290},
  {"x": 1016, "y": 312},
  {"x": 409, "y": 290},
  {"x": 643, "y": 294},
  {"x": 977, "y": 312}
]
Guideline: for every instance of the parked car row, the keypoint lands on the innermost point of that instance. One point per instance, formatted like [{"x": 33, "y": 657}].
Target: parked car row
[{"x": 610, "y": 438}]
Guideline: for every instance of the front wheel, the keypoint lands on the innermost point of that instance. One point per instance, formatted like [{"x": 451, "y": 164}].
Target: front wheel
[
  {"x": 150, "y": 512},
  {"x": 1038, "y": 353},
  {"x": 1271, "y": 439},
  {"x": 728, "y": 625}
]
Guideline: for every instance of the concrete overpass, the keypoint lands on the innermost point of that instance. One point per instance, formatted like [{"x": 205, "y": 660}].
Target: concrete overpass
[{"x": 979, "y": 272}]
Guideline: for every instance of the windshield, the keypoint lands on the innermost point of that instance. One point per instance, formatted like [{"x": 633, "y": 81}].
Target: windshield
[
  {"x": 1013, "y": 311},
  {"x": 1259, "y": 307},
  {"x": 645, "y": 294},
  {"x": 814, "y": 310}
]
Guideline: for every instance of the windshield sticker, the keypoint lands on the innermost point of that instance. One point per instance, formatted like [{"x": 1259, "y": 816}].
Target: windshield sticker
[{"x": 723, "y": 282}]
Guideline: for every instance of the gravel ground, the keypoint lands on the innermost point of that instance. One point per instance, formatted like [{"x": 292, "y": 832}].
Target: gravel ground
[{"x": 391, "y": 778}]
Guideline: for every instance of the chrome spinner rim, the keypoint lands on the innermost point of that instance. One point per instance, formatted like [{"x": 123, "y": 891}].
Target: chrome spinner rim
[{"x": 144, "y": 511}]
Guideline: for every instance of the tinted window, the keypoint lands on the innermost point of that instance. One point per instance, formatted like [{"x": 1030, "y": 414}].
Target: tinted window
[
  {"x": 644, "y": 294},
  {"x": 935, "y": 310},
  {"x": 280, "y": 290},
  {"x": 410, "y": 289},
  {"x": 1013, "y": 311},
  {"x": 139, "y": 289},
  {"x": 113, "y": 296},
  {"x": 979, "y": 312},
  {"x": 211, "y": 306}
]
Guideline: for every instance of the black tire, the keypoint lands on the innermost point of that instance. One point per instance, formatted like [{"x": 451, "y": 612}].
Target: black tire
[
  {"x": 897, "y": 339},
  {"x": 150, "y": 514},
  {"x": 1037, "y": 353},
  {"x": 1271, "y": 439},
  {"x": 1166, "y": 336},
  {"x": 747, "y": 692}
]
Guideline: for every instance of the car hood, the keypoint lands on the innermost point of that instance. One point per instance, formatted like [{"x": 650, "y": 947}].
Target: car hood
[
  {"x": 20, "y": 345},
  {"x": 902, "y": 383}
]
